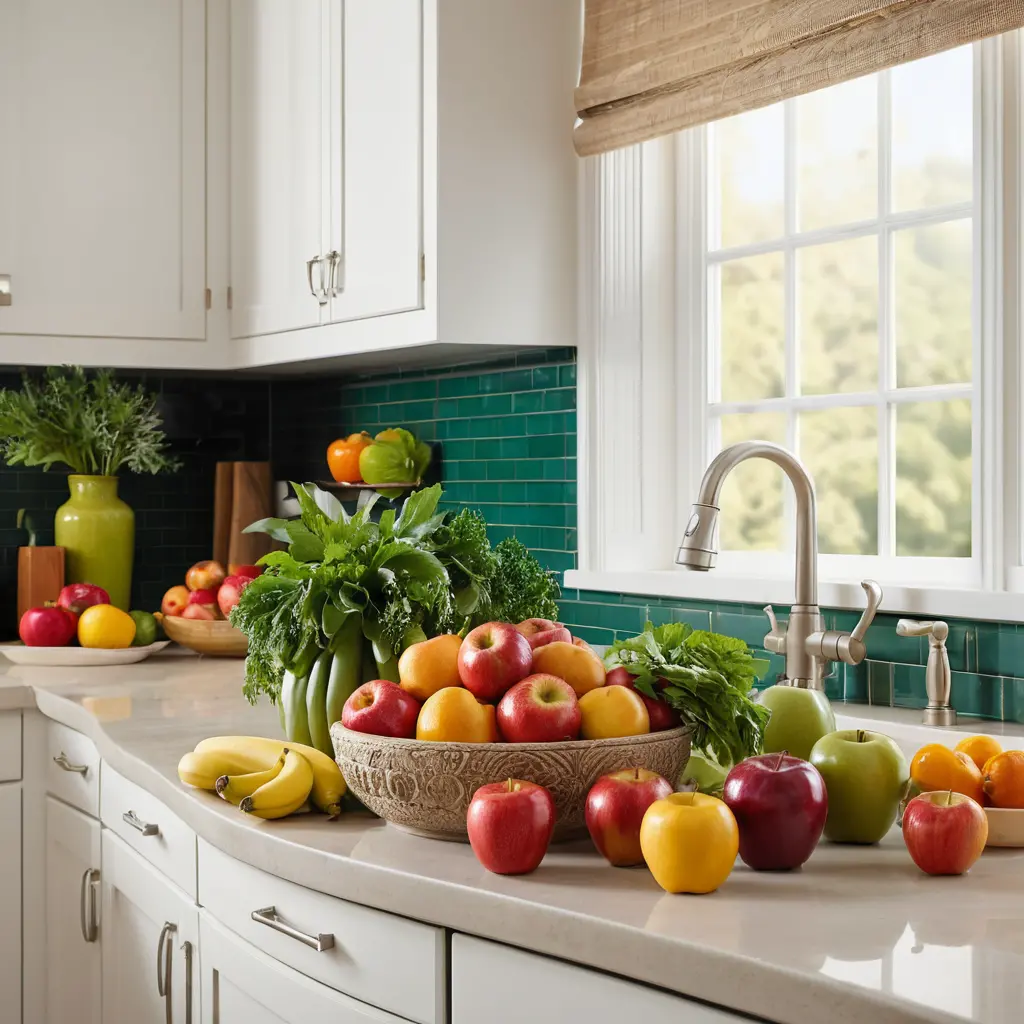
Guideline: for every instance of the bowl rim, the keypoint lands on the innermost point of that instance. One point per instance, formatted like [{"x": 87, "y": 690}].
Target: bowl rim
[
  {"x": 998, "y": 812},
  {"x": 679, "y": 732}
]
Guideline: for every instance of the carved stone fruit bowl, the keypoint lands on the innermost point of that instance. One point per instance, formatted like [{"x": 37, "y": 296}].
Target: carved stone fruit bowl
[{"x": 425, "y": 787}]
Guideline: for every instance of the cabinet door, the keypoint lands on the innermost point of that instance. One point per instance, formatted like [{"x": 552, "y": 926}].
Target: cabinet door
[
  {"x": 376, "y": 133},
  {"x": 10, "y": 901},
  {"x": 72, "y": 915},
  {"x": 278, "y": 154},
  {"x": 102, "y": 169},
  {"x": 241, "y": 985},
  {"x": 145, "y": 920}
]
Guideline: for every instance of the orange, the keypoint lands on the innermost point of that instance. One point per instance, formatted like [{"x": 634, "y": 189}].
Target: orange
[
  {"x": 430, "y": 665},
  {"x": 1004, "y": 779},
  {"x": 454, "y": 715},
  {"x": 343, "y": 456},
  {"x": 936, "y": 767},
  {"x": 105, "y": 626},
  {"x": 581, "y": 668},
  {"x": 612, "y": 711},
  {"x": 979, "y": 749}
]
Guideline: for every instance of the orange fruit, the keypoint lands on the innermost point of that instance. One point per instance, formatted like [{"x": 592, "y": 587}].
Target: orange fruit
[
  {"x": 430, "y": 665},
  {"x": 936, "y": 767},
  {"x": 1004, "y": 779},
  {"x": 612, "y": 711},
  {"x": 979, "y": 749},
  {"x": 581, "y": 668},
  {"x": 454, "y": 715}
]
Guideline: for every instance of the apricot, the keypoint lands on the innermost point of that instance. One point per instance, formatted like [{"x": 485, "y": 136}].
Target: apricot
[
  {"x": 430, "y": 665},
  {"x": 580, "y": 668},
  {"x": 175, "y": 601},
  {"x": 979, "y": 749},
  {"x": 1004, "y": 779},
  {"x": 935, "y": 767},
  {"x": 454, "y": 715}
]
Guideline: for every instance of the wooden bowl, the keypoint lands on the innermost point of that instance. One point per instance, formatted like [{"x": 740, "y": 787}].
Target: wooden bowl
[
  {"x": 216, "y": 637},
  {"x": 1005, "y": 826},
  {"x": 425, "y": 788}
]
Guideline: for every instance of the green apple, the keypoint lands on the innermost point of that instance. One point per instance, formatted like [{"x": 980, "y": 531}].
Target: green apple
[
  {"x": 865, "y": 774},
  {"x": 799, "y": 719}
]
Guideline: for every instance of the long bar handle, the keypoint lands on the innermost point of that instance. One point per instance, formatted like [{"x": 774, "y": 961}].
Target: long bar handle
[
  {"x": 61, "y": 761},
  {"x": 268, "y": 916},
  {"x": 187, "y": 948},
  {"x": 145, "y": 827},
  {"x": 87, "y": 904},
  {"x": 163, "y": 964}
]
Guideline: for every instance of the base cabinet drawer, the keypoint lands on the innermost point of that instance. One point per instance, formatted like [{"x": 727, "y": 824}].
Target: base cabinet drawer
[
  {"x": 241, "y": 985},
  {"x": 72, "y": 768},
  {"x": 361, "y": 946},
  {"x": 503, "y": 985}
]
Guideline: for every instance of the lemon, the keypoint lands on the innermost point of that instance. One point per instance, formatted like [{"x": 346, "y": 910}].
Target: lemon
[{"x": 103, "y": 625}]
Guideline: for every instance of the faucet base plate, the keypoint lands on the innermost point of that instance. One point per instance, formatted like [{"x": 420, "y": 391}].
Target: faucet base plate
[{"x": 939, "y": 716}]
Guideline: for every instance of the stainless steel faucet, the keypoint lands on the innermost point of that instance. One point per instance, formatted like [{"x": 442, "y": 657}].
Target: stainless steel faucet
[
  {"x": 937, "y": 677},
  {"x": 807, "y": 645}
]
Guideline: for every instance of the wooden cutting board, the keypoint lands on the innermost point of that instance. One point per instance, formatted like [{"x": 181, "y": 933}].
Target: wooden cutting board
[
  {"x": 243, "y": 493},
  {"x": 40, "y": 576}
]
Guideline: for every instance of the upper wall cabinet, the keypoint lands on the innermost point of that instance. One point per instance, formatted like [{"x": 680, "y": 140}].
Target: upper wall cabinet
[{"x": 102, "y": 181}]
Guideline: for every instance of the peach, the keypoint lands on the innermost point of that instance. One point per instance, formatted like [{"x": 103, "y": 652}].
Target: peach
[
  {"x": 454, "y": 715},
  {"x": 207, "y": 575},
  {"x": 581, "y": 669},
  {"x": 613, "y": 711},
  {"x": 175, "y": 600},
  {"x": 430, "y": 665},
  {"x": 198, "y": 611}
]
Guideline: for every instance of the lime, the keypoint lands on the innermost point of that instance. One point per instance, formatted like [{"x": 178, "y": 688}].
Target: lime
[{"x": 145, "y": 629}]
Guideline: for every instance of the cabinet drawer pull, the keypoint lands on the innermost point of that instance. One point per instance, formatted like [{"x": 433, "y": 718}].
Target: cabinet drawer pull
[
  {"x": 163, "y": 967},
  {"x": 268, "y": 916},
  {"x": 187, "y": 948},
  {"x": 334, "y": 260},
  {"x": 320, "y": 294},
  {"x": 131, "y": 818},
  {"x": 87, "y": 904},
  {"x": 61, "y": 761}
]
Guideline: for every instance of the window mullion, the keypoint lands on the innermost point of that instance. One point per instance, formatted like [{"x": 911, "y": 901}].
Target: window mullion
[
  {"x": 792, "y": 334},
  {"x": 886, "y": 324}
]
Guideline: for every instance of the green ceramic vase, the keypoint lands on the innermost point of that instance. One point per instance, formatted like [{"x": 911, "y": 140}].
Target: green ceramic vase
[{"x": 97, "y": 530}]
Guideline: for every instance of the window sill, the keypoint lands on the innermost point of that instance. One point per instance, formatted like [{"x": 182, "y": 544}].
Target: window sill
[{"x": 999, "y": 606}]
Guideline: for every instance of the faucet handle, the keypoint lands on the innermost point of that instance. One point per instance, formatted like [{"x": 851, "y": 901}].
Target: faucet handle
[
  {"x": 834, "y": 645},
  {"x": 775, "y": 641},
  {"x": 874, "y": 596},
  {"x": 937, "y": 631}
]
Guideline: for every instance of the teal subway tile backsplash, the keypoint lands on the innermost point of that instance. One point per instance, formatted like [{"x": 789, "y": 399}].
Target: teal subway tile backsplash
[{"x": 507, "y": 432}]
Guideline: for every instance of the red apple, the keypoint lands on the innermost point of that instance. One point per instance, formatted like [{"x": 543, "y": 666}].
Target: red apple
[
  {"x": 175, "y": 601},
  {"x": 944, "y": 832},
  {"x": 207, "y": 575},
  {"x": 205, "y": 612},
  {"x": 539, "y": 709},
  {"x": 229, "y": 593},
  {"x": 780, "y": 804},
  {"x": 539, "y": 632},
  {"x": 616, "y": 805},
  {"x": 47, "y": 627},
  {"x": 205, "y": 599},
  {"x": 661, "y": 715},
  {"x": 510, "y": 825},
  {"x": 492, "y": 658},
  {"x": 76, "y": 597},
  {"x": 381, "y": 708},
  {"x": 249, "y": 571}
]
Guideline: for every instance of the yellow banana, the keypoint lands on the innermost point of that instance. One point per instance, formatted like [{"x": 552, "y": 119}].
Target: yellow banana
[
  {"x": 284, "y": 794},
  {"x": 201, "y": 769},
  {"x": 235, "y": 787},
  {"x": 328, "y": 784}
]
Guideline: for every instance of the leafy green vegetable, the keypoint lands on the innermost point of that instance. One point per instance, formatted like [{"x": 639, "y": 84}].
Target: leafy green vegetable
[
  {"x": 95, "y": 425},
  {"x": 520, "y": 587},
  {"x": 709, "y": 679}
]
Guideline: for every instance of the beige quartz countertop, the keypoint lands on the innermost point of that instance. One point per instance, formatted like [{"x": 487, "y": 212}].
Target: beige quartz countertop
[{"x": 859, "y": 934}]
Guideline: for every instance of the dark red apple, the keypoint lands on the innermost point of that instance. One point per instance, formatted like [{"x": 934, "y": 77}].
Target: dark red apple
[
  {"x": 250, "y": 571},
  {"x": 661, "y": 715},
  {"x": 539, "y": 632},
  {"x": 780, "y": 805},
  {"x": 944, "y": 832},
  {"x": 510, "y": 825},
  {"x": 492, "y": 658},
  {"x": 616, "y": 805},
  {"x": 205, "y": 599},
  {"x": 76, "y": 597},
  {"x": 229, "y": 593},
  {"x": 47, "y": 627},
  {"x": 381, "y": 708},
  {"x": 539, "y": 709}
]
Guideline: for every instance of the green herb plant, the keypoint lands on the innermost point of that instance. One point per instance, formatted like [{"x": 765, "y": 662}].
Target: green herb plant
[
  {"x": 710, "y": 678},
  {"x": 95, "y": 425}
]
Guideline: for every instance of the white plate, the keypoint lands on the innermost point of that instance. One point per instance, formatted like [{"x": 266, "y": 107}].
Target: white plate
[
  {"x": 1005, "y": 826},
  {"x": 78, "y": 657}
]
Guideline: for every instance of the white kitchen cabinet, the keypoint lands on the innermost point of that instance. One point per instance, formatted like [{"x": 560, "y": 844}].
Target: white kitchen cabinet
[
  {"x": 10, "y": 901},
  {"x": 503, "y": 985},
  {"x": 150, "y": 954},
  {"x": 72, "y": 915},
  {"x": 241, "y": 985},
  {"x": 103, "y": 181}
]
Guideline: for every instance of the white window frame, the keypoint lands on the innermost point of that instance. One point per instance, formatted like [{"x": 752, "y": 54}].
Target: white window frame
[{"x": 643, "y": 374}]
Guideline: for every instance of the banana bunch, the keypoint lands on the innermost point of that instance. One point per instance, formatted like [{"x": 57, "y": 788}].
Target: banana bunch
[{"x": 265, "y": 777}]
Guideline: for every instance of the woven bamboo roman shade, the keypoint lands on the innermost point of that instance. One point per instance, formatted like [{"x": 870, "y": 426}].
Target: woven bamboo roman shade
[{"x": 651, "y": 67}]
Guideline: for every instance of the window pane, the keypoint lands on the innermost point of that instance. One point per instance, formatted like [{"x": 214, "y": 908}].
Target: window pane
[
  {"x": 752, "y": 332},
  {"x": 838, "y": 308},
  {"x": 933, "y": 130},
  {"x": 840, "y": 448},
  {"x": 837, "y": 146},
  {"x": 752, "y": 513},
  {"x": 748, "y": 155},
  {"x": 933, "y": 304},
  {"x": 933, "y": 479}
]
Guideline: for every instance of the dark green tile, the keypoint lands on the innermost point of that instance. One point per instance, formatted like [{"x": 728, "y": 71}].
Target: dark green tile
[
  {"x": 834, "y": 683},
  {"x": 413, "y": 389},
  {"x": 880, "y": 683},
  {"x": 748, "y": 628},
  {"x": 908, "y": 686},
  {"x": 546, "y": 447},
  {"x": 698, "y": 618},
  {"x": 1013, "y": 700},
  {"x": 559, "y": 400},
  {"x": 855, "y": 686},
  {"x": 554, "y": 469},
  {"x": 517, "y": 380},
  {"x": 488, "y": 448},
  {"x": 545, "y": 377},
  {"x": 516, "y": 447},
  {"x": 529, "y": 401},
  {"x": 976, "y": 695},
  {"x": 513, "y": 492},
  {"x": 547, "y": 493},
  {"x": 492, "y": 383},
  {"x": 884, "y": 645},
  {"x": 567, "y": 375},
  {"x": 447, "y": 408},
  {"x": 456, "y": 387}
]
